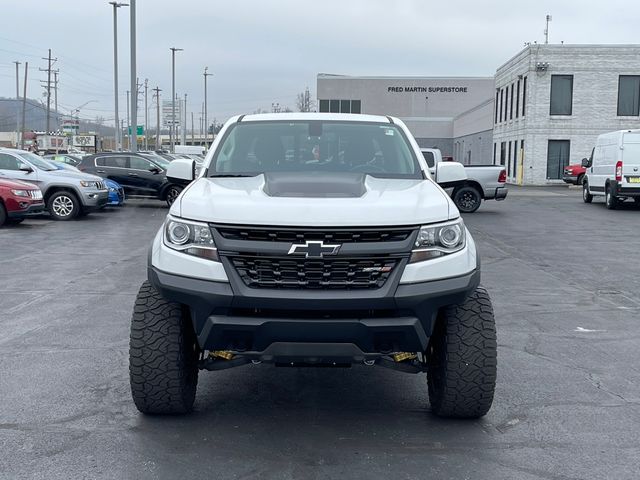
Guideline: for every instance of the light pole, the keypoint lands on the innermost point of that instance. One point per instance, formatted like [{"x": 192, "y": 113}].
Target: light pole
[
  {"x": 206, "y": 126},
  {"x": 172, "y": 127},
  {"x": 116, "y": 5},
  {"x": 134, "y": 78}
]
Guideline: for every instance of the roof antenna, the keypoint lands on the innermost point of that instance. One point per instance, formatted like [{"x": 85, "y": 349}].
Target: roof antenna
[{"x": 546, "y": 30}]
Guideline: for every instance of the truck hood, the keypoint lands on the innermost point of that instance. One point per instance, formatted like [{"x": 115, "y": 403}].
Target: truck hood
[
  {"x": 262, "y": 200},
  {"x": 71, "y": 175}
]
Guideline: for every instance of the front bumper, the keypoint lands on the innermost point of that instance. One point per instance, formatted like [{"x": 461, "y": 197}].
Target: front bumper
[
  {"x": 94, "y": 200},
  {"x": 318, "y": 326},
  {"x": 32, "y": 209}
]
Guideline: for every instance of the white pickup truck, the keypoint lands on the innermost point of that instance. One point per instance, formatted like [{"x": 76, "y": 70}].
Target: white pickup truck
[
  {"x": 314, "y": 239},
  {"x": 485, "y": 182}
]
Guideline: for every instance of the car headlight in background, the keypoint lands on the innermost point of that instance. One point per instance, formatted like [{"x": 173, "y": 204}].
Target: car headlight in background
[
  {"x": 20, "y": 193},
  {"x": 438, "y": 240},
  {"x": 86, "y": 184},
  {"x": 192, "y": 238}
]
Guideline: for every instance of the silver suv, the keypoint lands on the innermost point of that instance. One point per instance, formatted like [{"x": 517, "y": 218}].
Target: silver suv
[{"x": 67, "y": 194}]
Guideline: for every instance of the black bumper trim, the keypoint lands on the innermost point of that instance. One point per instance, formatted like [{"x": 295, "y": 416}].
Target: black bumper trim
[{"x": 33, "y": 209}]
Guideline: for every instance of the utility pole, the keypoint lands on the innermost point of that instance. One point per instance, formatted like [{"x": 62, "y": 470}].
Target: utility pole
[
  {"x": 134, "y": 79},
  {"x": 546, "y": 30},
  {"x": 184, "y": 125},
  {"x": 55, "y": 96},
  {"x": 50, "y": 62},
  {"x": 24, "y": 104},
  {"x": 116, "y": 5},
  {"x": 206, "y": 126},
  {"x": 192, "y": 139},
  {"x": 128, "y": 123},
  {"x": 157, "y": 97},
  {"x": 146, "y": 115},
  {"x": 172, "y": 127},
  {"x": 17, "y": 103}
]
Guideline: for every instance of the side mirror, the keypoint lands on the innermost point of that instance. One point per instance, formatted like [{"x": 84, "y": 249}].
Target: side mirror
[
  {"x": 181, "y": 171},
  {"x": 450, "y": 174},
  {"x": 155, "y": 170},
  {"x": 585, "y": 163},
  {"x": 25, "y": 168}
]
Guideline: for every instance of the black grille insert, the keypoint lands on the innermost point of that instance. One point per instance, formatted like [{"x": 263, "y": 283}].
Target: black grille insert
[
  {"x": 300, "y": 273},
  {"x": 303, "y": 235}
]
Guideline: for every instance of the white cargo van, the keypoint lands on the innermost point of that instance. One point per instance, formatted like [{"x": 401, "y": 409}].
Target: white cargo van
[{"x": 613, "y": 170}]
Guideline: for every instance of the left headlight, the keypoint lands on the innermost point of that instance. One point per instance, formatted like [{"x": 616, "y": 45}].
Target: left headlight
[
  {"x": 20, "y": 193},
  {"x": 438, "y": 240},
  {"x": 192, "y": 238},
  {"x": 86, "y": 184}
]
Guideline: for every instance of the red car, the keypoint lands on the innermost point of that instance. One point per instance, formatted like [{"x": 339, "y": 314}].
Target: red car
[
  {"x": 18, "y": 200},
  {"x": 574, "y": 174}
]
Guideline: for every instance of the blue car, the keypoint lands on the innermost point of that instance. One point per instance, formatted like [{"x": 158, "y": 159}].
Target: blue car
[{"x": 116, "y": 193}]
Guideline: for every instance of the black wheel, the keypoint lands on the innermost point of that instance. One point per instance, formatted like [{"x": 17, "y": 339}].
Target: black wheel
[
  {"x": 580, "y": 179},
  {"x": 63, "y": 205},
  {"x": 586, "y": 196},
  {"x": 462, "y": 359},
  {"x": 636, "y": 200},
  {"x": 172, "y": 193},
  {"x": 3, "y": 214},
  {"x": 467, "y": 199},
  {"x": 163, "y": 355},
  {"x": 610, "y": 200}
]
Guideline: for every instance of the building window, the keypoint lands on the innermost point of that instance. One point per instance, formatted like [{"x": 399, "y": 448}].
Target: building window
[
  {"x": 524, "y": 94},
  {"x": 502, "y": 153},
  {"x": 495, "y": 145},
  {"x": 509, "y": 158},
  {"x": 629, "y": 95},
  {"x": 501, "y": 101},
  {"x": 340, "y": 106},
  {"x": 518, "y": 99},
  {"x": 557, "y": 158},
  {"x": 521, "y": 162},
  {"x": 506, "y": 102},
  {"x": 561, "y": 95},
  {"x": 497, "y": 106},
  {"x": 511, "y": 104}
]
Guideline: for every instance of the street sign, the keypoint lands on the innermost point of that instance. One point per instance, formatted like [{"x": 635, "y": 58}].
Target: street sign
[
  {"x": 139, "y": 130},
  {"x": 167, "y": 113},
  {"x": 84, "y": 141}
]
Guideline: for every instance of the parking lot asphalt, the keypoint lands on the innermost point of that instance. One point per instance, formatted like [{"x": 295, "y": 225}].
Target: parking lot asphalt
[{"x": 564, "y": 281}]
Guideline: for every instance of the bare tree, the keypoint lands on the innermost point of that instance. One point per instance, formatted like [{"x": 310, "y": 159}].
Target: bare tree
[{"x": 304, "y": 102}]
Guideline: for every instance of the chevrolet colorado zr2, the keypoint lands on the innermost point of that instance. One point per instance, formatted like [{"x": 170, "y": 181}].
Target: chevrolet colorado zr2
[{"x": 314, "y": 239}]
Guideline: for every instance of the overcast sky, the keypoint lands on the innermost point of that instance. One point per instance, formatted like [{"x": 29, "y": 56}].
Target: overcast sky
[{"x": 262, "y": 52}]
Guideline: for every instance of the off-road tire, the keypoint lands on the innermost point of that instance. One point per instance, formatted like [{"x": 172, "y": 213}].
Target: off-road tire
[
  {"x": 163, "y": 355},
  {"x": 610, "y": 201},
  {"x": 462, "y": 358},
  {"x": 61, "y": 202},
  {"x": 467, "y": 199},
  {"x": 3, "y": 214},
  {"x": 586, "y": 196}
]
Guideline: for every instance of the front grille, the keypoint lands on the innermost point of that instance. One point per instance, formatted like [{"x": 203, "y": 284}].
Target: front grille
[
  {"x": 301, "y": 273},
  {"x": 303, "y": 235},
  {"x": 35, "y": 194},
  {"x": 100, "y": 186}
]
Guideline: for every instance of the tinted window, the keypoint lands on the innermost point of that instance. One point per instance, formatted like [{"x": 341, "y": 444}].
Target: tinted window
[
  {"x": 561, "y": 94},
  {"x": 296, "y": 146},
  {"x": 9, "y": 162},
  {"x": 356, "y": 106},
  {"x": 629, "y": 95},
  {"x": 138, "y": 163},
  {"x": 428, "y": 156},
  {"x": 112, "y": 161},
  {"x": 345, "y": 106},
  {"x": 324, "y": 105},
  {"x": 557, "y": 158}
]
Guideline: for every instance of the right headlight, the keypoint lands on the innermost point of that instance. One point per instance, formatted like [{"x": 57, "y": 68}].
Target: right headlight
[
  {"x": 437, "y": 240},
  {"x": 192, "y": 238}
]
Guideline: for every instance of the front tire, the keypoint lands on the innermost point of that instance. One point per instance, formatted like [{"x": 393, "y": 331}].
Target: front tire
[
  {"x": 163, "y": 355},
  {"x": 610, "y": 200},
  {"x": 462, "y": 358},
  {"x": 63, "y": 206},
  {"x": 3, "y": 215},
  {"x": 586, "y": 196},
  {"x": 467, "y": 199},
  {"x": 172, "y": 193}
]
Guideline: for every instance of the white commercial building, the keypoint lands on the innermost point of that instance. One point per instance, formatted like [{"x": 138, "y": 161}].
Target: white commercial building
[
  {"x": 454, "y": 114},
  {"x": 552, "y": 101}
]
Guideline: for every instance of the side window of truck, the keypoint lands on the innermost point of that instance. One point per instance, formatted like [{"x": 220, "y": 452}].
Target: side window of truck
[{"x": 428, "y": 156}]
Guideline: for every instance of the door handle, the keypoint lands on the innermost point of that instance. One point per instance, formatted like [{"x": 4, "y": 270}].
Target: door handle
[
  {"x": 133, "y": 174},
  {"x": 100, "y": 171}
]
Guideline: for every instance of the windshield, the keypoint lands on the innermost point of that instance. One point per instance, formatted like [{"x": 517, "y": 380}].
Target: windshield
[
  {"x": 380, "y": 150},
  {"x": 38, "y": 162}
]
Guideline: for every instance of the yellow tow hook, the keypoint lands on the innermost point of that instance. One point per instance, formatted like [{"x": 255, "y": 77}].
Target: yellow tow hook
[
  {"x": 225, "y": 354},
  {"x": 402, "y": 356}
]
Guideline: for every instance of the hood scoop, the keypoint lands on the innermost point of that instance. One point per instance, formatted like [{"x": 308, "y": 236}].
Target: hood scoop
[{"x": 314, "y": 185}]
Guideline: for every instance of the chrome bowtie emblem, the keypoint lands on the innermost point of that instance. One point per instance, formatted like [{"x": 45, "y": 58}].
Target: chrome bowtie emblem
[{"x": 312, "y": 249}]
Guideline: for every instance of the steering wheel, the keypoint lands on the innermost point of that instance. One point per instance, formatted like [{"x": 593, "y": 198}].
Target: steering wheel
[{"x": 365, "y": 167}]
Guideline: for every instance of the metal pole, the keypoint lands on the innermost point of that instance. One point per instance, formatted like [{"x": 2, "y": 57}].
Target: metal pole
[
  {"x": 128, "y": 124},
  {"x": 17, "y": 103},
  {"x": 24, "y": 104},
  {"x": 49, "y": 93},
  {"x": 184, "y": 125},
  {"x": 172, "y": 127},
  {"x": 134, "y": 78},
  {"x": 146, "y": 115},
  {"x": 118, "y": 131},
  {"x": 206, "y": 127},
  {"x": 192, "y": 139}
]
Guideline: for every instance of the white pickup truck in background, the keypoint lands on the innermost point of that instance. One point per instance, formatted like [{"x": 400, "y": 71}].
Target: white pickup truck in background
[{"x": 485, "y": 182}]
